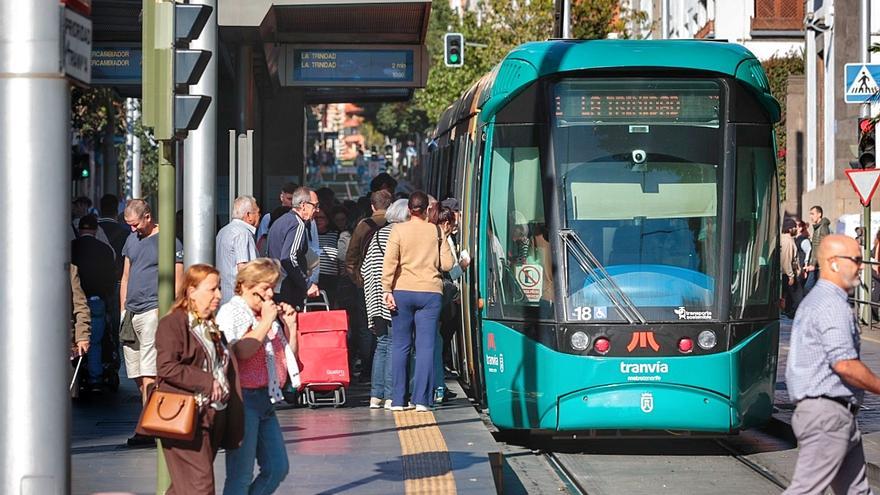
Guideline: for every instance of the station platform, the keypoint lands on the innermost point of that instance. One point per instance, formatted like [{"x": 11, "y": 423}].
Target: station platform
[{"x": 351, "y": 449}]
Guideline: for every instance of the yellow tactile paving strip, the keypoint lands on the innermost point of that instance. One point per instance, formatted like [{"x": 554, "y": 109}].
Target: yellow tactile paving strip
[{"x": 426, "y": 464}]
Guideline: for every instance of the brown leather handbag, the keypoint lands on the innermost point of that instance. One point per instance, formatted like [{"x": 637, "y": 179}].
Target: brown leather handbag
[{"x": 169, "y": 415}]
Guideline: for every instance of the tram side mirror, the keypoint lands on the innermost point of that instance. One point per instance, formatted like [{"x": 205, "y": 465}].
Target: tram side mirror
[{"x": 639, "y": 161}]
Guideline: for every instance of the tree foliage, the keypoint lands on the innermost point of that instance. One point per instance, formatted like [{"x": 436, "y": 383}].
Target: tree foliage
[
  {"x": 778, "y": 69},
  {"x": 490, "y": 33},
  {"x": 92, "y": 112}
]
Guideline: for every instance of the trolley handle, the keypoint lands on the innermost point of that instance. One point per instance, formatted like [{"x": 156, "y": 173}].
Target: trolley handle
[{"x": 324, "y": 303}]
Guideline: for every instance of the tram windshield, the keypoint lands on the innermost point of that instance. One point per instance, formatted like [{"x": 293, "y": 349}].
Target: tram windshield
[{"x": 639, "y": 166}]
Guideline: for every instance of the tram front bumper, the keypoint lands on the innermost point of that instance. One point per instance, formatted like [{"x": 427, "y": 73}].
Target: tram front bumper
[{"x": 645, "y": 406}]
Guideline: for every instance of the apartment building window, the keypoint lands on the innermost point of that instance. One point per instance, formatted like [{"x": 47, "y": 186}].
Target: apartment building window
[{"x": 778, "y": 15}]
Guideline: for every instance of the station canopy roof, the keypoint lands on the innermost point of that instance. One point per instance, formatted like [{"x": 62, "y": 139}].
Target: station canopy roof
[{"x": 324, "y": 23}]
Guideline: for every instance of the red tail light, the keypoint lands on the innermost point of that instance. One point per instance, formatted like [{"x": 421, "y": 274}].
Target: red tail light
[
  {"x": 685, "y": 345},
  {"x": 602, "y": 345}
]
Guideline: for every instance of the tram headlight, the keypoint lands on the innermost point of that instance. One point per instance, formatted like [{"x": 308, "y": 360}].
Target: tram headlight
[
  {"x": 707, "y": 339},
  {"x": 579, "y": 341}
]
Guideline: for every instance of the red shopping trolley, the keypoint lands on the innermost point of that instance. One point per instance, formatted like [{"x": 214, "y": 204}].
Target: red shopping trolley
[{"x": 323, "y": 353}]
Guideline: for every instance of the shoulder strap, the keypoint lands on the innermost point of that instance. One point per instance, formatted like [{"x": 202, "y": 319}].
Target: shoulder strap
[
  {"x": 378, "y": 244},
  {"x": 439, "y": 242}
]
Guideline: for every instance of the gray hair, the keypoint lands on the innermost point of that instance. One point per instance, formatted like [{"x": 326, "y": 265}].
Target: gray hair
[
  {"x": 300, "y": 196},
  {"x": 137, "y": 208},
  {"x": 242, "y": 206},
  {"x": 398, "y": 212}
]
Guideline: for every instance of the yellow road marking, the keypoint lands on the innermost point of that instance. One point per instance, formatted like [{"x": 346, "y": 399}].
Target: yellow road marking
[{"x": 426, "y": 464}]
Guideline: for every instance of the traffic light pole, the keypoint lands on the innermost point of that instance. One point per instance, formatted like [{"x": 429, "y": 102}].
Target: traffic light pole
[
  {"x": 865, "y": 111},
  {"x": 200, "y": 158}
]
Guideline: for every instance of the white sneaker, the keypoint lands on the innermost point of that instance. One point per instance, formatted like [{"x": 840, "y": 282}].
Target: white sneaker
[
  {"x": 421, "y": 408},
  {"x": 375, "y": 403},
  {"x": 403, "y": 408},
  {"x": 388, "y": 404}
]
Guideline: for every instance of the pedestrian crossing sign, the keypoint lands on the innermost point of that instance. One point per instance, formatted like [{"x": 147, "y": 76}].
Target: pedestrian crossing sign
[{"x": 861, "y": 83}]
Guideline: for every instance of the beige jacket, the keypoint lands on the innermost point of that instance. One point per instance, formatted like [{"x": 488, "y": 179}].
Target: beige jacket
[
  {"x": 415, "y": 258},
  {"x": 81, "y": 316},
  {"x": 787, "y": 255}
]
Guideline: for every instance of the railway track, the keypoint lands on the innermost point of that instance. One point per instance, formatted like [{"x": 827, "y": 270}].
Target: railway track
[{"x": 679, "y": 466}]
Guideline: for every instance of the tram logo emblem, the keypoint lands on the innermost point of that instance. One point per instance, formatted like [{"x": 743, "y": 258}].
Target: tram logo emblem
[
  {"x": 490, "y": 342},
  {"x": 647, "y": 402},
  {"x": 643, "y": 340}
]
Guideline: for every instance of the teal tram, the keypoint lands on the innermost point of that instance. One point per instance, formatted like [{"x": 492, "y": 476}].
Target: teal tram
[{"x": 620, "y": 202}]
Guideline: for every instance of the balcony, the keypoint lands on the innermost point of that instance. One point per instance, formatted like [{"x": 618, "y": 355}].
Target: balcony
[{"x": 778, "y": 15}]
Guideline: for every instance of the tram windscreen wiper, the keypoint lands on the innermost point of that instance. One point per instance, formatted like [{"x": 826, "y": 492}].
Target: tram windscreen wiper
[{"x": 591, "y": 265}]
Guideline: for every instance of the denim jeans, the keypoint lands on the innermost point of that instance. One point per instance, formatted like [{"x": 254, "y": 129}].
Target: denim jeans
[
  {"x": 99, "y": 322},
  {"x": 414, "y": 323},
  {"x": 439, "y": 383},
  {"x": 263, "y": 442},
  {"x": 381, "y": 376}
]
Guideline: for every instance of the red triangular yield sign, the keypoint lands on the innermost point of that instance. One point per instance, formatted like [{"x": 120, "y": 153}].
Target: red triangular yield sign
[{"x": 864, "y": 181}]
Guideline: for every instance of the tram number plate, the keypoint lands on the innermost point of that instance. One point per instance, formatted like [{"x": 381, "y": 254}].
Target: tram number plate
[{"x": 587, "y": 313}]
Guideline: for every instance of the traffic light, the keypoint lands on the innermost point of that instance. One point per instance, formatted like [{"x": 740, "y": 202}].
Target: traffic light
[
  {"x": 189, "y": 65},
  {"x": 170, "y": 67},
  {"x": 453, "y": 48},
  {"x": 80, "y": 164},
  {"x": 867, "y": 155}
]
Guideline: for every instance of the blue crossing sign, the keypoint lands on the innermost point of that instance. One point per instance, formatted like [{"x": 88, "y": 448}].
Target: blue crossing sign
[{"x": 861, "y": 83}]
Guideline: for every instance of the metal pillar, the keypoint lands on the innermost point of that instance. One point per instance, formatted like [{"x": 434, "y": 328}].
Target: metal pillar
[
  {"x": 34, "y": 279},
  {"x": 167, "y": 179},
  {"x": 812, "y": 103},
  {"x": 865, "y": 111},
  {"x": 566, "y": 19},
  {"x": 664, "y": 19},
  {"x": 136, "y": 155},
  {"x": 200, "y": 158},
  {"x": 244, "y": 97}
]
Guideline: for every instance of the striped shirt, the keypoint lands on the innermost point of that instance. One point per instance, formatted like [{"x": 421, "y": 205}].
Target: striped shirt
[
  {"x": 824, "y": 333},
  {"x": 329, "y": 244},
  {"x": 371, "y": 271}
]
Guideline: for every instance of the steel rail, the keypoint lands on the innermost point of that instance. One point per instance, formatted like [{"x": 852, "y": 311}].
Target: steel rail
[
  {"x": 757, "y": 468},
  {"x": 572, "y": 485}
]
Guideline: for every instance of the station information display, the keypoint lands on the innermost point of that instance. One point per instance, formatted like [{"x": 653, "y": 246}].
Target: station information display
[
  {"x": 581, "y": 103},
  {"x": 397, "y": 66}
]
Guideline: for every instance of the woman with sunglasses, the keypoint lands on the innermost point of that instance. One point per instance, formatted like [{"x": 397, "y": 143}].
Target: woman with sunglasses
[
  {"x": 250, "y": 320},
  {"x": 192, "y": 358}
]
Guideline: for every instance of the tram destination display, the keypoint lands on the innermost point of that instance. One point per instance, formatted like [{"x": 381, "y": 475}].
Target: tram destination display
[
  {"x": 597, "y": 103},
  {"x": 396, "y": 66}
]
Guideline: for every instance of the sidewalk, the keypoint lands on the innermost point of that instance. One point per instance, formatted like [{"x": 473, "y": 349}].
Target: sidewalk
[{"x": 351, "y": 449}]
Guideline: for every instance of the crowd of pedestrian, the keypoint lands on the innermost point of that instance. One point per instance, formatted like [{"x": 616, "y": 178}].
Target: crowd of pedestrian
[
  {"x": 799, "y": 243},
  {"x": 227, "y": 341}
]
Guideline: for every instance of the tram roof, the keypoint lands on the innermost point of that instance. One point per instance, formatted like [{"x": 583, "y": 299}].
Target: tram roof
[{"x": 535, "y": 60}]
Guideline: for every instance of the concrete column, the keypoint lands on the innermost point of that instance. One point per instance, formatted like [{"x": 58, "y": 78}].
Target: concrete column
[
  {"x": 34, "y": 279},
  {"x": 200, "y": 158}
]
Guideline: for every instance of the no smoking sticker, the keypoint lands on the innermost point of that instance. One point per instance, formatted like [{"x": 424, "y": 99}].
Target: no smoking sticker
[{"x": 531, "y": 280}]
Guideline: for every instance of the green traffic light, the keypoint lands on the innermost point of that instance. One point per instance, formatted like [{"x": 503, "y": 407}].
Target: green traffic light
[
  {"x": 453, "y": 58},
  {"x": 84, "y": 174}
]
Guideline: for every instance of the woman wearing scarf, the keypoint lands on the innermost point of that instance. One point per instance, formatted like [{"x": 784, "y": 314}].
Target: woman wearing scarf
[{"x": 250, "y": 322}]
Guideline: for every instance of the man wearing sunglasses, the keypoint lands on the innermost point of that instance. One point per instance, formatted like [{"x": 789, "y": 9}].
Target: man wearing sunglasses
[
  {"x": 826, "y": 378},
  {"x": 289, "y": 244}
]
